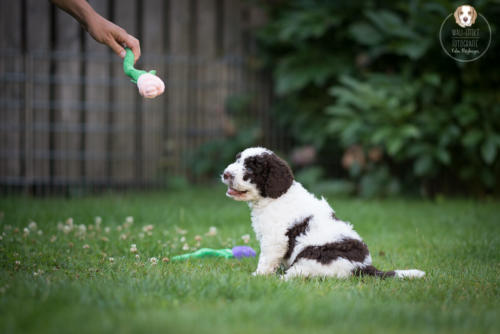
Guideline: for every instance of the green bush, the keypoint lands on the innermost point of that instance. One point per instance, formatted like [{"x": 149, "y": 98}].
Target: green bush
[
  {"x": 210, "y": 159},
  {"x": 374, "y": 77}
]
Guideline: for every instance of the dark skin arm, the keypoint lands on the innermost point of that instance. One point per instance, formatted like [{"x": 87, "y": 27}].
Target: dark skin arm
[{"x": 99, "y": 28}]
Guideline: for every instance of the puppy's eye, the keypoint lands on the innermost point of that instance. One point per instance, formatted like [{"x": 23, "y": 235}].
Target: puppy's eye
[{"x": 461, "y": 13}]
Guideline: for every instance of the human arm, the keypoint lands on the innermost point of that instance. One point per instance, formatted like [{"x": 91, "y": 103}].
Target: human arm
[{"x": 102, "y": 30}]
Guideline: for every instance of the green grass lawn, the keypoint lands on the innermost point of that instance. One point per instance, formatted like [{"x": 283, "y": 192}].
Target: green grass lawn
[{"x": 64, "y": 280}]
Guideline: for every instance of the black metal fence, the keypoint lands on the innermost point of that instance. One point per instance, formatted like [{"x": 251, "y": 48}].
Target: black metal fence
[
  {"x": 69, "y": 117},
  {"x": 91, "y": 128}
]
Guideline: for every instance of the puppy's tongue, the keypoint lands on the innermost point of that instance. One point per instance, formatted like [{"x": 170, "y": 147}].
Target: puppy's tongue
[{"x": 234, "y": 192}]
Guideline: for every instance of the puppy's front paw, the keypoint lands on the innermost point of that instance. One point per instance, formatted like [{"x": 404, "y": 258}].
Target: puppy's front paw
[{"x": 263, "y": 271}]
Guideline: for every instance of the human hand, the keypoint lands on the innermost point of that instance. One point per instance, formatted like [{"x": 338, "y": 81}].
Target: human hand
[{"x": 115, "y": 37}]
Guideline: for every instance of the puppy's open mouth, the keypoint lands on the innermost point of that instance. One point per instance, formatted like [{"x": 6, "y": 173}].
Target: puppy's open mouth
[{"x": 235, "y": 193}]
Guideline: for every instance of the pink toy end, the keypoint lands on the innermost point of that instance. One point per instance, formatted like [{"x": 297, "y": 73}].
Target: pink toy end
[{"x": 150, "y": 86}]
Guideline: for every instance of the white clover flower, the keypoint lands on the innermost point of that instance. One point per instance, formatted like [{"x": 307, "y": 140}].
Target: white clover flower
[
  {"x": 38, "y": 272},
  {"x": 53, "y": 238},
  {"x": 185, "y": 247},
  {"x": 129, "y": 220},
  {"x": 32, "y": 226},
  {"x": 26, "y": 231},
  {"x": 183, "y": 239},
  {"x": 39, "y": 232},
  {"x": 17, "y": 262},
  {"x": 148, "y": 228},
  {"x": 165, "y": 259},
  {"x": 60, "y": 226},
  {"x": 137, "y": 256},
  {"x": 1, "y": 238},
  {"x": 245, "y": 238},
  {"x": 119, "y": 228},
  {"x": 67, "y": 229},
  {"x": 133, "y": 248},
  {"x": 198, "y": 238},
  {"x": 212, "y": 231},
  {"x": 86, "y": 246},
  {"x": 69, "y": 221},
  {"x": 97, "y": 221},
  {"x": 111, "y": 259},
  {"x": 181, "y": 231},
  {"x": 153, "y": 260},
  {"x": 141, "y": 235},
  {"x": 107, "y": 229},
  {"x": 123, "y": 236},
  {"x": 82, "y": 228}
]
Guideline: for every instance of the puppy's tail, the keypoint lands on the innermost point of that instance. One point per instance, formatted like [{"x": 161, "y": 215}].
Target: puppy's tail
[{"x": 372, "y": 271}]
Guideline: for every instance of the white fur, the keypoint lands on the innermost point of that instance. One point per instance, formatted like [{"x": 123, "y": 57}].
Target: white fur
[
  {"x": 410, "y": 273},
  {"x": 272, "y": 218}
]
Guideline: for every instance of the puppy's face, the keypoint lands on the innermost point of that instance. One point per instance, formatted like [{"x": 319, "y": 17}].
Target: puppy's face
[
  {"x": 257, "y": 173},
  {"x": 465, "y": 16}
]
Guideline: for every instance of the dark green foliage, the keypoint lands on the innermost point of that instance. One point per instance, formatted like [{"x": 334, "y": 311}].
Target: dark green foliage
[
  {"x": 373, "y": 75},
  {"x": 211, "y": 158}
]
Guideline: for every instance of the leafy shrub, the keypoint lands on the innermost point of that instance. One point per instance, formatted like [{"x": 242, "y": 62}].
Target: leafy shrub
[
  {"x": 210, "y": 159},
  {"x": 380, "y": 81}
]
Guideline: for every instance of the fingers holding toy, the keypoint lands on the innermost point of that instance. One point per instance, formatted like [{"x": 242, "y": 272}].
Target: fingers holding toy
[
  {"x": 131, "y": 42},
  {"x": 116, "y": 38}
]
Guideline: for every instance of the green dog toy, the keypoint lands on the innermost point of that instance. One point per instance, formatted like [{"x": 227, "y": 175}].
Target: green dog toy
[
  {"x": 149, "y": 85},
  {"x": 227, "y": 253}
]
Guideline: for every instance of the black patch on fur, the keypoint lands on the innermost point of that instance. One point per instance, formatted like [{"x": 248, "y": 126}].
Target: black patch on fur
[
  {"x": 238, "y": 156},
  {"x": 293, "y": 232},
  {"x": 334, "y": 216},
  {"x": 349, "y": 249},
  {"x": 270, "y": 174},
  {"x": 372, "y": 271}
]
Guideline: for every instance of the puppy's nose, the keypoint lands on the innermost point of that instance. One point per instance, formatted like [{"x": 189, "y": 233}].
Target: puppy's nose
[
  {"x": 466, "y": 18},
  {"x": 227, "y": 176}
]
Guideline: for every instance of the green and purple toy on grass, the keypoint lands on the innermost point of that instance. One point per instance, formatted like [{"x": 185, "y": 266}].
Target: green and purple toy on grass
[{"x": 237, "y": 252}]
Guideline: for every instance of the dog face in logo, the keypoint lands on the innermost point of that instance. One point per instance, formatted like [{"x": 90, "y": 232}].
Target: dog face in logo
[{"x": 465, "y": 16}]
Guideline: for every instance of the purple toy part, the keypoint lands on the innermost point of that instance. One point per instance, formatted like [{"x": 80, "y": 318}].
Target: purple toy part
[{"x": 243, "y": 251}]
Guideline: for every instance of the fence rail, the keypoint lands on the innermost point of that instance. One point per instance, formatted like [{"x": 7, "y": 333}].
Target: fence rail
[{"x": 70, "y": 117}]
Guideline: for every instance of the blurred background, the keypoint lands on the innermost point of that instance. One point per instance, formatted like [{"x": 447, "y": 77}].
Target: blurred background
[{"x": 359, "y": 97}]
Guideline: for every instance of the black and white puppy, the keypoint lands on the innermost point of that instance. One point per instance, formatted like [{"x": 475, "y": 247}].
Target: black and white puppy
[{"x": 293, "y": 227}]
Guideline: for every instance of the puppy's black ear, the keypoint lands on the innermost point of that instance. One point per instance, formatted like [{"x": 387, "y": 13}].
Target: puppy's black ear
[
  {"x": 280, "y": 177},
  {"x": 270, "y": 174}
]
